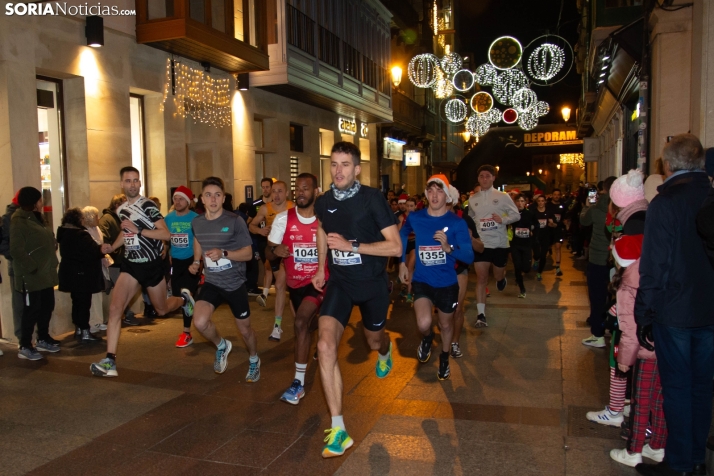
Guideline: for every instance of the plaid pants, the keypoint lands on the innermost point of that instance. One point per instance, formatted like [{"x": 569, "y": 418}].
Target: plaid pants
[{"x": 646, "y": 404}]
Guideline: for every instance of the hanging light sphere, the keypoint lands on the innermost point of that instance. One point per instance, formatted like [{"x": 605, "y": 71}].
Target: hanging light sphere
[
  {"x": 455, "y": 110},
  {"x": 493, "y": 116},
  {"x": 524, "y": 99},
  {"x": 481, "y": 102},
  {"x": 510, "y": 116},
  {"x": 442, "y": 86},
  {"x": 423, "y": 69},
  {"x": 463, "y": 80},
  {"x": 471, "y": 125},
  {"x": 451, "y": 63},
  {"x": 507, "y": 84},
  {"x": 485, "y": 75},
  {"x": 505, "y": 52},
  {"x": 528, "y": 120},
  {"x": 541, "y": 108},
  {"x": 546, "y": 61}
]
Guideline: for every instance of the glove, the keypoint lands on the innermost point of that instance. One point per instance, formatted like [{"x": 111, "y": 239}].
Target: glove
[{"x": 644, "y": 336}]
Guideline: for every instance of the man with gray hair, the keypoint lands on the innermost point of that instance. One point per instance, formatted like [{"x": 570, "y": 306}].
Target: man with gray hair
[{"x": 673, "y": 307}]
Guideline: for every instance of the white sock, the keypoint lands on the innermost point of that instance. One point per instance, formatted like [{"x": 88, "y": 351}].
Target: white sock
[
  {"x": 338, "y": 421},
  {"x": 300, "y": 372},
  {"x": 253, "y": 358},
  {"x": 222, "y": 345},
  {"x": 266, "y": 290},
  {"x": 384, "y": 357},
  {"x": 481, "y": 307}
]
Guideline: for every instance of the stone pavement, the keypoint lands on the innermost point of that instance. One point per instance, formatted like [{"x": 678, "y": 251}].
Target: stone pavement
[{"x": 515, "y": 402}]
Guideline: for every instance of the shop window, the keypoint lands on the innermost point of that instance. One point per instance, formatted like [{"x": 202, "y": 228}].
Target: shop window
[
  {"x": 296, "y": 142},
  {"x": 138, "y": 142},
  {"x": 294, "y": 172},
  {"x": 51, "y": 149}
]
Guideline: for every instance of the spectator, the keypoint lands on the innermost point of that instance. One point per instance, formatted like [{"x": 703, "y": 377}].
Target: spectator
[
  {"x": 673, "y": 308},
  {"x": 228, "y": 202},
  {"x": 654, "y": 180},
  {"x": 17, "y": 303},
  {"x": 80, "y": 271},
  {"x": 598, "y": 272},
  {"x": 33, "y": 247}
]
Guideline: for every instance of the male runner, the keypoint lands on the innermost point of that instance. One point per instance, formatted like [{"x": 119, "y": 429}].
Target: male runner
[
  {"x": 442, "y": 238},
  {"x": 142, "y": 235},
  {"x": 222, "y": 241},
  {"x": 179, "y": 223},
  {"x": 293, "y": 237},
  {"x": 359, "y": 229},
  {"x": 259, "y": 241},
  {"x": 492, "y": 211},
  {"x": 557, "y": 209},
  {"x": 267, "y": 214}
]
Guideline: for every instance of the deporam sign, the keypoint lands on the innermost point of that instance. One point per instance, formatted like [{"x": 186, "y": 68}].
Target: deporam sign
[{"x": 544, "y": 139}]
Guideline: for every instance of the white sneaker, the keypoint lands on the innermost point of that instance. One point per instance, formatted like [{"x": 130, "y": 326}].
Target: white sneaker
[
  {"x": 593, "y": 341},
  {"x": 626, "y": 411},
  {"x": 625, "y": 457},
  {"x": 606, "y": 417},
  {"x": 261, "y": 300},
  {"x": 654, "y": 455},
  {"x": 275, "y": 335},
  {"x": 96, "y": 328}
]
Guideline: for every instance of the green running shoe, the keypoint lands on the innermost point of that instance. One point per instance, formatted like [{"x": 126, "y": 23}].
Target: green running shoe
[
  {"x": 189, "y": 302},
  {"x": 385, "y": 366},
  {"x": 338, "y": 441},
  {"x": 104, "y": 368}
]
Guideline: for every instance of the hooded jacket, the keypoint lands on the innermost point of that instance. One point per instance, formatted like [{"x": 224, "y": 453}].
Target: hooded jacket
[
  {"x": 599, "y": 243},
  {"x": 33, "y": 250},
  {"x": 81, "y": 267},
  {"x": 110, "y": 225}
]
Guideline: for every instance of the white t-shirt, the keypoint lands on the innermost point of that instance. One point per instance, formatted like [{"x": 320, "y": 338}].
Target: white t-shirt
[
  {"x": 277, "y": 232},
  {"x": 482, "y": 206}
]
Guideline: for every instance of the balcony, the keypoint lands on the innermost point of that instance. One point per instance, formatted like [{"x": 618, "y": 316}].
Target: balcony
[{"x": 229, "y": 34}]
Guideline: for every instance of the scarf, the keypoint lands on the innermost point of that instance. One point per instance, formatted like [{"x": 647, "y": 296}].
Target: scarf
[
  {"x": 342, "y": 195},
  {"x": 634, "y": 207}
]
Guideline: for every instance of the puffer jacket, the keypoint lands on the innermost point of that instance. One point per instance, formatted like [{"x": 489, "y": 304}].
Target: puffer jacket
[
  {"x": 33, "y": 249},
  {"x": 629, "y": 349}
]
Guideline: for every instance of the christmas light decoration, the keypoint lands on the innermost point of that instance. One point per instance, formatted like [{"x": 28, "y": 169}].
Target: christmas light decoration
[
  {"x": 541, "y": 108},
  {"x": 573, "y": 159},
  {"x": 463, "y": 80},
  {"x": 451, "y": 63},
  {"x": 481, "y": 102},
  {"x": 524, "y": 99},
  {"x": 510, "y": 116},
  {"x": 198, "y": 95},
  {"x": 506, "y": 85},
  {"x": 442, "y": 86},
  {"x": 485, "y": 75},
  {"x": 455, "y": 110},
  {"x": 423, "y": 70},
  {"x": 527, "y": 120},
  {"x": 505, "y": 52},
  {"x": 546, "y": 61},
  {"x": 494, "y": 115}
]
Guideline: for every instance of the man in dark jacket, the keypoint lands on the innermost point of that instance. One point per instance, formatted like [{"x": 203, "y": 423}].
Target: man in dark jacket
[
  {"x": 673, "y": 307},
  {"x": 17, "y": 302}
]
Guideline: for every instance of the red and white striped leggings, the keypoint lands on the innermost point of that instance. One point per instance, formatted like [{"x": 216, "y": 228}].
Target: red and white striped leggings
[{"x": 618, "y": 388}]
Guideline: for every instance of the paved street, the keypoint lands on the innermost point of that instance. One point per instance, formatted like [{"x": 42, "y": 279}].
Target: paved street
[{"x": 515, "y": 402}]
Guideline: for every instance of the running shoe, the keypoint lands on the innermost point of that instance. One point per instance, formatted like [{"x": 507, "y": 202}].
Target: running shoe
[
  {"x": 606, "y": 417},
  {"x": 184, "y": 340},
  {"x": 221, "y": 362},
  {"x": 29, "y": 353},
  {"x": 622, "y": 456},
  {"x": 456, "y": 350},
  {"x": 46, "y": 346},
  {"x": 189, "y": 302},
  {"x": 410, "y": 298},
  {"x": 293, "y": 394},
  {"x": 488, "y": 293},
  {"x": 130, "y": 320},
  {"x": 481, "y": 321},
  {"x": 338, "y": 441},
  {"x": 522, "y": 294},
  {"x": 253, "y": 374},
  {"x": 501, "y": 285},
  {"x": 254, "y": 292},
  {"x": 539, "y": 277},
  {"x": 424, "y": 349},
  {"x": 593, "y": 341},
  {"x": 104, "y": 368},
  {"x": 653, "y": 454},
  {"x": 275, "y": 335},
  {"x": 52, "y": 341},
  {"x": 385, "y": 366},
  {"x": 261, "y": 300},
  {"x": 558, "y": 272},
  {"x": 444, "y": 369},
  {"x": 96, "y": 328}
]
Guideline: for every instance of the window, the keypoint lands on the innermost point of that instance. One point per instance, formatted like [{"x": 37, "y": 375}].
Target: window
[
  {"x": 218, "y": 15},
  {"x": 51, "y": 150},
  {"x": 138, "y": 151},
  {"x": 327, "y": 140},
  {"x": 238, "y": 20},
  {"x": 196, "y": 10},
  {"x": 294, "y": 171},
  {"x": 296, "y": 144},
  {"x": 160, "y": 9}
]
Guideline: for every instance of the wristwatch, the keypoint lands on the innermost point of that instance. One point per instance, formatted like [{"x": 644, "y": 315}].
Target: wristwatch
[
  {"x": 225, "y": 253},
  {"x": 451, "y": 249},
  {"x": 355, "y": 246}
]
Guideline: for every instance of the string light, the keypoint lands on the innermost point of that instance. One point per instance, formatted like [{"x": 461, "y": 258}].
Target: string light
[
  {"x": 423, "y": 69},
  {"x": 505, "y": 52},
  {"x": 546, "y": 61},
  {"x": 541, "y": 108},
  {"x": 463, "y": 80},
  {"x": 528, "y": 120},
  {"x": 455, "y": 110},
  {"x": 451, "y": 63},
  {"x": 575, "y": 159},
  {"x": 485, "y": 75},
  {"x": 442, "y": 86},
  {"x": 524, "y": 99},
  {"x": 506, "y": 85}
]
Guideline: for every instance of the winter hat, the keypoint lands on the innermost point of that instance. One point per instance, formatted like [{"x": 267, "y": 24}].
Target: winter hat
[
  {"x": 627, "y": 249},
  {"x": 452, "y": 195},
  {"x": 28, "y": 196},
  {"x": 15, "y": 198},
  {"x": 628, "y": 189},
  {"x": 184, "y": 192},
  {"x": 403, "y": 198}
]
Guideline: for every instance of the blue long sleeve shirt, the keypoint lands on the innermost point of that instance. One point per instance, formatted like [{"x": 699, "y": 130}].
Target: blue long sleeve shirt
[{"x": 434, "y": 266}]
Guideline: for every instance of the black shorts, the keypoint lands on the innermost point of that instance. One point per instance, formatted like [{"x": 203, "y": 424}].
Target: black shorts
[
  {"x": 461, "y": 268},
  {"x": 558, "y": 235},
  {"x": 275, "y": 264},
  {"x": 445, "y": 299},
  {"x": 497, "y": 256},
  {"x": 305, "y": 293},
  {"x": 148, "y": 274},
  {"x": 261, "y": 243},
  {"x": 181, "y": 277},
  {"x": 237, "y": 300},
  {"x": 372, "y": 297}
]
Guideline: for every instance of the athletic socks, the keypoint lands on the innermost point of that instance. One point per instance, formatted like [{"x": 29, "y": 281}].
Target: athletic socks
[
  {"x": 266, "y": 291},
  {"x": 481, "y": 308},
  {"x": 384, "y": 357},
  {"x": 112, "y": 356},
  {"x": 444, "y": 355},
  {"x": 338, "y": 421},
  {"x": 300, "y": 372},
  {"x": 222, "y": 345},
  {"x": 278, "y": 320},
  {"x": 253, "y": 359}
]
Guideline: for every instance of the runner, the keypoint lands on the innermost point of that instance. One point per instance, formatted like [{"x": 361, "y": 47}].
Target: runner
[
  {"x": 259, "y": 240},
  {"x": 267, "y": 214},
  {"x": 358, "y": 227},
  {"x": 222, "y": 241},
  {"x": 544, "y": 222},
  {"x": 179, "y": 223},
  {"x": 558, "y": 210},
  {"x": 492, "y": 211},
  {"x": 142, "y": 235},
  {"x": 442, "y": 239},
  {"x": 521, "y": 244},
  {"x": 293, "y": 238}
]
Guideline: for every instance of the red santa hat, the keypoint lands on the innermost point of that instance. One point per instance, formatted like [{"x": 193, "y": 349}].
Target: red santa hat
[
  {"x": 184, "y": 192},
  {"x": 627, "y": 249},
  {"x": 403, "y": 198},
  {"x": 452, "y": 195}
]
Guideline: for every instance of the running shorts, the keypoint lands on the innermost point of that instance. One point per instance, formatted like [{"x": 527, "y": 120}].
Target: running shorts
[
  {"x": 558, "y": 235},
  {"x": 461, "y": 268},
  {"x": 181, "y": 277},
  {"x": 445, "y": 299},
  {"x": 237, "y": 300},
  {"x": 497, "y": 256},
  {"x": 372, "y": 297},
  {"x": 305, "y": 293},
  {"x": 147, "y": 274}
]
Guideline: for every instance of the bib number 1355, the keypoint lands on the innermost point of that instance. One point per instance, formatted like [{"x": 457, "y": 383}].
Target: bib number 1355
[{"x": 432, "y": 255}]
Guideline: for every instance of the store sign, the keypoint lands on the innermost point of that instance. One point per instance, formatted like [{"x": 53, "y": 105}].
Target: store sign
[
  {"x": 364, "y": 130},
  {"x": 546, "y": 139},
  {"x": 412, "y": 158},
  {"x": 393, "y": 149},
  {"x": 347, "y": 126}
]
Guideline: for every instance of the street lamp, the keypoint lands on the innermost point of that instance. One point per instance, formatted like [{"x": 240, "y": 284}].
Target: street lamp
[
  {"x": 467, "y": 136},
  {"x": 540, "y": 171},
  {"x": 396, "y": 76},
  {"x": 528, "y": 174},
  {"x": 557, "y": 166},
  {"x": 566, "y": 113}
]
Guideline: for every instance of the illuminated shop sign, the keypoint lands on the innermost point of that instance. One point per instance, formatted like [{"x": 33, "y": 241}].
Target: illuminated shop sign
[
  {"x": 412, "y": 158},
  {"x": 364, "y": 130},
  {"x": 540, "y": 139},
  {"x": 347, "y": 126}
]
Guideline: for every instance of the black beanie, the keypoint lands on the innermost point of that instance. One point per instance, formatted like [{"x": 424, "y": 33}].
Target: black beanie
[{"x": 28, "y": 196}]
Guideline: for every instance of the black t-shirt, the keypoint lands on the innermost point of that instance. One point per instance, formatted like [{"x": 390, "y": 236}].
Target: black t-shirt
[
  {"x": 540, "y": 221},
  {"x": 522, "y": 228},
  {"x": 361, "y": 218},
  {"x": 558, "y": 211},
  {"x": 252, "y": 213}
]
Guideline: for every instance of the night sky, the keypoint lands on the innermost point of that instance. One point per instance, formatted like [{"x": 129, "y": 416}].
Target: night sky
[{"x": 482, "y": 21}]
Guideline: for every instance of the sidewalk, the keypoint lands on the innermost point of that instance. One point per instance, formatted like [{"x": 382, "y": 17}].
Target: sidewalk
[{"x": 515, "y": 403}]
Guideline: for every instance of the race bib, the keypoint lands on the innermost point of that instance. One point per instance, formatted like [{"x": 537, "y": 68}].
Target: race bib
[
  {"x": 542, "y": 222},
  {"x": 305, "y": 253},
  {"x": 487, "y": 224},
  {"x": 346, "y": 258},
  {"x": 179, "y": 240},
  {"x": 131, "y": 241},
  {"x": 217, "y": 266},
  {"x": 432, "y": 255},
  {"x": 522, "y": 233}
]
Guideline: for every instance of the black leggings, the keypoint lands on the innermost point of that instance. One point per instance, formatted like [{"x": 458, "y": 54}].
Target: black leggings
[
  {"x": 521, "y": 256},
  {"x": 37, "y": 311},
  {"x": 81, "y": 304},
  {"x": 540, "y": 251}
]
